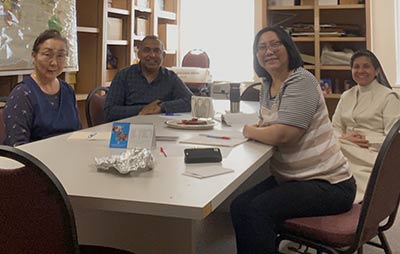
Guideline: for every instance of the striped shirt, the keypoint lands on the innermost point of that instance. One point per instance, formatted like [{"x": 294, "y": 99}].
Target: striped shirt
[{"x": 317, "y": 154}]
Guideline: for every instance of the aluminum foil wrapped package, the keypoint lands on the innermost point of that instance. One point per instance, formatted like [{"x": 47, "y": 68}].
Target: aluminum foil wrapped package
[{"x": 130, "y": 160}]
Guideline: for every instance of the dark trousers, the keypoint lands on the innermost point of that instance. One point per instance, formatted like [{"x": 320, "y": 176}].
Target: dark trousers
[{"x": 257, "y": 212}]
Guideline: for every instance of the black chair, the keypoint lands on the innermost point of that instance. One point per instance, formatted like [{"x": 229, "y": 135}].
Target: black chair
[
  {"x": 348, "y": 232},
  {"x": 35, "y": 213},
  {"x": 251, "y": 93},
  {"x": 94, "y": 107},
  {"x": 197, "y": 58}
]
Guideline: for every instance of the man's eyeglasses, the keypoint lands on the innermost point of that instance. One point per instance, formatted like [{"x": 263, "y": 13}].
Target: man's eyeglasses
[
  {"x": 155, "y": 51},
  {"x": 273, "y": 46},
  {"x": 47, "y": 56}
]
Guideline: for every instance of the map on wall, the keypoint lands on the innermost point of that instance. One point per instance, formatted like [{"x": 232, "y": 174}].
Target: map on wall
[{"x": 21, "y": 21}]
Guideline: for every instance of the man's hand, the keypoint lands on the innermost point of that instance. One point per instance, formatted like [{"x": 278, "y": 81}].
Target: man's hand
[{"x": 151, "y": 108}]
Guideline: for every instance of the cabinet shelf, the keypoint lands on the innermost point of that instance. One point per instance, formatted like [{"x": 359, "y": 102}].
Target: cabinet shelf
[
  {"x": 138, "y": 37},
  {"x": 83, "y": 29},
  {"x": 170, "y": 52},
  {"x": 342, "y": 6},
  {"x": 117, "y": 42},
  {"x": 311, "y": 7},
  {"x": 81, "y": 96},
  {"x": 303, "y": 39},
  {"x": 142, "y": 9},
  {"x": 343, "y": 39},
  {"x": 167, "y": 15},
  {"x": 289, "y": 8},
  {"x": 332, "y": 96},
  {"x": 335, "y": 67},
  {"x": 118, "y": 11}
]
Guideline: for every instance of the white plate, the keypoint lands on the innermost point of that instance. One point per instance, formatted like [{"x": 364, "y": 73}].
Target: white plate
[{"x": 178, "y": 125}]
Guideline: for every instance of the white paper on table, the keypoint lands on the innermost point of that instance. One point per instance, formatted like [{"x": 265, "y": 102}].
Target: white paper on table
[
  {"x": 206, "y": 138},
  {"x": 239, "y": 118},
  {"x": 166, "y": 138},
  {"x": 142, "y": 135},
  {"x": 90, "y": 135},
  {"x": 206, "y": 171}
]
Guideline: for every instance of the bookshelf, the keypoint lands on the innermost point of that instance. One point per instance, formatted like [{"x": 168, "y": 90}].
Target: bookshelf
[
  {"x": 352, "y": 15},
  {"x": 107, "y": 38}
]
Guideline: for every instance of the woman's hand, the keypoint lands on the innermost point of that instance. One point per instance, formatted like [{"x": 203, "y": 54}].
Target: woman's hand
[
  {"x": 248, "y": 128},
  {"x": 276, "y": 134},
  {"x": 356, "y": 138}
]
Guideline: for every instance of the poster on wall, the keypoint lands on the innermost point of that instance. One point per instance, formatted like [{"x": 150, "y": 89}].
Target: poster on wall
[{"x": 21, "y": 21}]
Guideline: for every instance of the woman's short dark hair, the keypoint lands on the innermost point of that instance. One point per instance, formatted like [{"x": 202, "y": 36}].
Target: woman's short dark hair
[
  {"x": 294, "y": 57},
  {"x": 381, "y": 77},
  {"x": 47, "y": 35}
]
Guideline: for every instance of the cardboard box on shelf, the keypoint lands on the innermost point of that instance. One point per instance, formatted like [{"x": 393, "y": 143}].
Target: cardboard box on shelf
[
  {"x": 114, "y": 28},
  {"x": 168, "y": 34},
  {"x": 142, "y": 26}
]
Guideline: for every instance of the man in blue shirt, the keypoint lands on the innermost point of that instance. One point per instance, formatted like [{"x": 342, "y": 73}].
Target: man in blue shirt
[{"x": 146, "y": 88}]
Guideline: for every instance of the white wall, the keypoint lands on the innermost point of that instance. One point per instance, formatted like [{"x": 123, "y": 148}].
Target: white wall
[{"x": 383, "y": 36}]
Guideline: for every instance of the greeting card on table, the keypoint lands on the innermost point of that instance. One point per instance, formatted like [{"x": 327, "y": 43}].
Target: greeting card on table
[{"x": 119, "y": 135}]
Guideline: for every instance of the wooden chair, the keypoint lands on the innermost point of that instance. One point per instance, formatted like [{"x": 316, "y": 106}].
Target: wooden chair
[
  {"x": 348, "y": 232},
  {"x": 94, "y": 107},
  {"x": 197, "y": 58},
  {"x": 251, "y": 93},
  {"x": 35, "y": 213}
]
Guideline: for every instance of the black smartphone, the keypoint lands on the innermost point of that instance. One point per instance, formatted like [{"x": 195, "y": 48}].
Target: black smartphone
[{"x": 200, "y": 155}]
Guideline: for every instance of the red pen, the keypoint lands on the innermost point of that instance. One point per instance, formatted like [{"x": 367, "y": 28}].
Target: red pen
[
  {"x": 213, "y": 136},
  {"x": 163, "y": 151}
]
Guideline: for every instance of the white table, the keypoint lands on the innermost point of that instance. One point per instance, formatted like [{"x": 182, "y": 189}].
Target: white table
[{"x": 153, "y": 211}]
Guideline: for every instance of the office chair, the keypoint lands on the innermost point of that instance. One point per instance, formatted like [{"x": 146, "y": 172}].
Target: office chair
[
  {"x": 348, "y": 232},
  {"x": 94, "y": 107},
  {"x": 197, "y": 58},
  {"x": 35, "y": 213},
  {"x": 251, "y": 93}
]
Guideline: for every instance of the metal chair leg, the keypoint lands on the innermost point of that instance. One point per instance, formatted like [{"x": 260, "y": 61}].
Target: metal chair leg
[
  {"x": 385, "y": 243},
  {"x": 360, "y": 250}
]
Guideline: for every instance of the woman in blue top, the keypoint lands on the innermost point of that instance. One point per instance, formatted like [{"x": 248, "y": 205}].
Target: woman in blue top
[{"x": 42, "y": 105}]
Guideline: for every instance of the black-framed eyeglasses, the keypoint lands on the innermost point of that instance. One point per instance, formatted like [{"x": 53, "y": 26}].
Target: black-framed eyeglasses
[{"x": 273, "y": 46}]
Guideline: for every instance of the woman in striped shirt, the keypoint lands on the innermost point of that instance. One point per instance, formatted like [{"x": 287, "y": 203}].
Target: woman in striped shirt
[{"x": 310, "y": 175}]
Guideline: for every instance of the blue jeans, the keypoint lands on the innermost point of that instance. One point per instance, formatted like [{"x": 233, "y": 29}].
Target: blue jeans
[{"x": 257, "y": 212}]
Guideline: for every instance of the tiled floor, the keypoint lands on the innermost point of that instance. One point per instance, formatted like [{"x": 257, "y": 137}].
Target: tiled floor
[{"x": 218, "y": 237}]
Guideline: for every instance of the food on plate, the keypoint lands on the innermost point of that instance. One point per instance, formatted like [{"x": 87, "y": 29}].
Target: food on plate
[{"x": 193, "y": 121}]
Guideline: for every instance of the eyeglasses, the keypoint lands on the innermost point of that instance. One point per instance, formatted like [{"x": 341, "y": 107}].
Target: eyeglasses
[
  {"x": 273, "y": 46},
  {"x": 148, "y": 50},
  {"x": 47, "y": 56}
]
